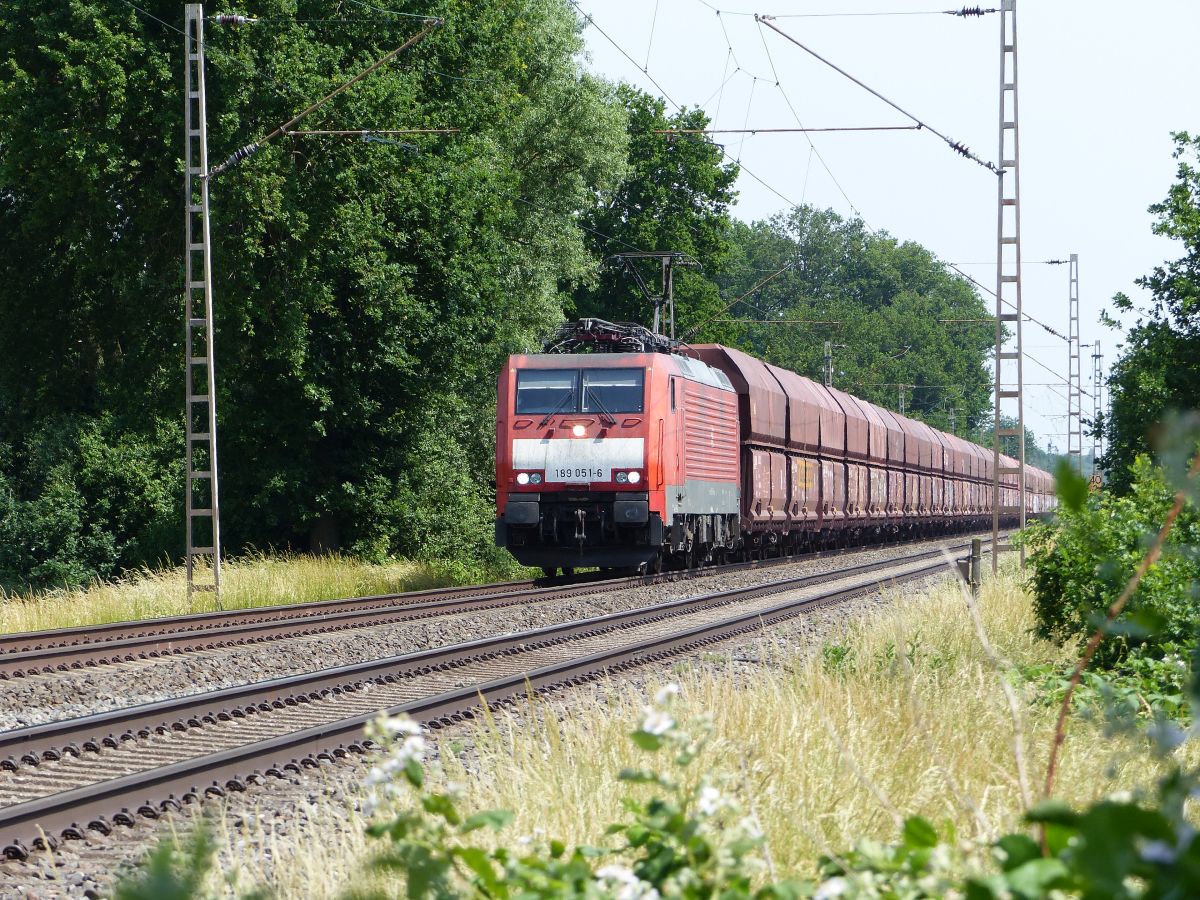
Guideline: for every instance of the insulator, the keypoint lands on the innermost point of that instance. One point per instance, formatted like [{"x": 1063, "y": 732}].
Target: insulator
[
  {"x": 959, "y": 147},
  {"x": 232, "y": 19},
  {"x": 239, "y": 155},
  {"x": 971, "y": 11}
]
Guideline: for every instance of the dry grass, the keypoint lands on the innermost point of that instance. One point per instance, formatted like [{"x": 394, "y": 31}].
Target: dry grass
[
  {"x": 263, "y": 580},
  {"x": 906, "y": 715}
]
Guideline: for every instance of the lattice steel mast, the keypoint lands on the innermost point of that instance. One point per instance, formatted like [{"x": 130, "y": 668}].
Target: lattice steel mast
[
  {"x": 1097, "y": 388},
  {"x": 1074, "y": 372},
  {"x": 1009, "y": 354},
  {"x": 200, "y": 456}
]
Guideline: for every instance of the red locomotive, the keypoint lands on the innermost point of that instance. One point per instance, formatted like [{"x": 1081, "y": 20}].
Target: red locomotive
[{"x": 646, "y": 457}]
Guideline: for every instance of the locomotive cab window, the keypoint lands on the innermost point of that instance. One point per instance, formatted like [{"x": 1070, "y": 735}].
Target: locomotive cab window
[
  {"x": 547, "y": 391},
  {"x": 613, "y": 390}
]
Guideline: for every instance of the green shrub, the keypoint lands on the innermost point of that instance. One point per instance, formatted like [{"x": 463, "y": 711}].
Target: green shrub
[
  {"x": 1082, "y": 561},
  {"x": 87, "y": 498}
]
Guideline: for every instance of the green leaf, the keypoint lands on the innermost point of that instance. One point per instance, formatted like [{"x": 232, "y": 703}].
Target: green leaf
[
  {"x": 441, "y": 805},
  {"x": 639, "y": 776},
  {"x": 496, "y": 819},
  {"x": 1052, "y": 812},
  {"x": 919, "y": 833},
  {"x": 1016, "y": 850},
  {"x": 1072, "y": 488},
  {"x": 480, "y": 863},
  {"x": 1035, "y": 878},
  {"x": 647, "y": 741}
]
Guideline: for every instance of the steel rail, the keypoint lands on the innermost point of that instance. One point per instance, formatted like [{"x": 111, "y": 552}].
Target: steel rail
[
  {"x": 102, "y": 804},
  {"x": 50, "y": 740},
  {"x": 64, "y": 649}
]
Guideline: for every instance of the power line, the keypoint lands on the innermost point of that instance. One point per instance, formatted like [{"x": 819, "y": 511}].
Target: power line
[
  {"x": 782, "y": 321},
  {"x": 365, "y": 131},
  {"x": 963, "y": 12},
  {"x": 253, "y": 147},
  {"x": 670, "y": 131},
  {"x": 811, "y": 146},
  {"x": 393, "y": 12},
  {"x": 650, "y": 43},
  {"x": 956, "y": 146},
  {"x": 592, "y": 22},
  {"x": 988, "y": 290}
]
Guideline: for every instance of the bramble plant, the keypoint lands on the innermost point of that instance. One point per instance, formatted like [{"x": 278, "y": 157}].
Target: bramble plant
[{"x": 691, "y": 839}]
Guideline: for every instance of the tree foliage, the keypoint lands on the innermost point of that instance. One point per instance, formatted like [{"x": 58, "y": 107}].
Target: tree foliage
[
  {"x": 1159, "y": 370},
  {"x": 898, "y": 319},
  {"x": 676, "y": 196},
  {"x": 365, "y": 293},
  {"x": 1081, "y": 563}
]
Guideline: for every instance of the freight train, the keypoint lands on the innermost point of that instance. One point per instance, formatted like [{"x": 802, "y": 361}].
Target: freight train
[{"x": 622, "y": 449}]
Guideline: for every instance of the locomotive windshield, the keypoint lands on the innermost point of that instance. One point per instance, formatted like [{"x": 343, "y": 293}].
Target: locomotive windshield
[
  {"x": 612, "y": 390},
  {"x": 552, "y": 391},
  {"x": 547, "y": 391}
]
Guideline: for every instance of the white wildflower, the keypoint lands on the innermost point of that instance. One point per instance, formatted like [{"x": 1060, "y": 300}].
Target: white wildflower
[
  {"x": 657, "y": 722},
  {"x": 834, "y": 887},
  {"x": 665, "y": 693},
  {"x": 1120, "y": 797},
  {"x": 622, "y": 884},
  {"x": 412, "y": 749},
  {"x": 710, "y": 801},
  {"x": 402, "y": 725},
  {"x": 750, "y": 828}
]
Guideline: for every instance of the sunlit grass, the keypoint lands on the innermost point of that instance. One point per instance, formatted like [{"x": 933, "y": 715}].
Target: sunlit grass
[
  {"x": 259, "y": 580},
  {"x": 899, "y": 713},
  {"x": 902, "y": 713}
]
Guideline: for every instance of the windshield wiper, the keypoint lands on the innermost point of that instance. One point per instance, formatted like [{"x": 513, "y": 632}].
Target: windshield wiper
[
  {"x": 604, "y": 413},
  {"x": 557, "y": 409}
]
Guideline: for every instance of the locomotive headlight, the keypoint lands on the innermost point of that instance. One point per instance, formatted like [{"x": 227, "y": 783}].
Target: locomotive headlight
[
  {"x": 522, "y": 478},
  {"x": 635, "y": 477},
  {"x": 536, "y": 477},
  {"x": 622, "y": 477},
  {"x": 579, "y": 431}
]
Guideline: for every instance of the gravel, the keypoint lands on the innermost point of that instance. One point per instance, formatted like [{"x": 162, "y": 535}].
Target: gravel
[
  {"x": 55, "y": 696},
  {"x": 267, "y": 819}
]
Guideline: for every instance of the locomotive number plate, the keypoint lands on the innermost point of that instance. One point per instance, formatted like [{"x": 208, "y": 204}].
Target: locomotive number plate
[{"x": 578, "y": 474}]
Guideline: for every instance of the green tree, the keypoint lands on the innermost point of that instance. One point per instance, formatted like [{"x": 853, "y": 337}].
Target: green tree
[
  {"x": 899, "y": 321},
  {"x": 1159, "y": 370},
  {"x": 366, "y": 293},
  {"x": 676, "y": 196}
]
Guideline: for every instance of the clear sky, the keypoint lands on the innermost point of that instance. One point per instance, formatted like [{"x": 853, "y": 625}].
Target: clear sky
[{"x": 1101, "y": 87}]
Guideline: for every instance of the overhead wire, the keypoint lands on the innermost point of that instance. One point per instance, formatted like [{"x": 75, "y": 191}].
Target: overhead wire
[
  {"x": 965, "y": 12},
  {"x": 589, "y": 20},
  {"x": 650, "y": 43},
  {"x": 956, "y": 146},
  {"x": 811, "y": 146},
  {"x": 746, "y": 121}
]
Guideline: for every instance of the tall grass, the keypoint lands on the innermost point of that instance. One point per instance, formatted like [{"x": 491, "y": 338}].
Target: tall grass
[
  {"x": 897, "y": 714},
  {"x": 257, "y": 580}
]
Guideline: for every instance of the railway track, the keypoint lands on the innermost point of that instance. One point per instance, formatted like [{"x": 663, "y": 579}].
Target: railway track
[
  {"x": 60, "y": 650},
  {"x": 101, "y": 771}
]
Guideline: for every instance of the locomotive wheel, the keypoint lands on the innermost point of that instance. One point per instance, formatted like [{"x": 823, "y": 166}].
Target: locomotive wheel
[
  {"x": 568, "y": 571},
  {"x": 550, "y": 571}
]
